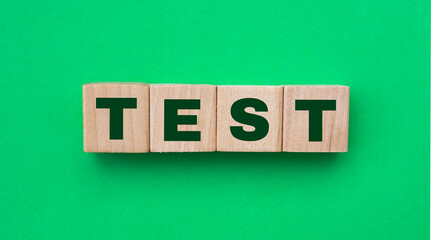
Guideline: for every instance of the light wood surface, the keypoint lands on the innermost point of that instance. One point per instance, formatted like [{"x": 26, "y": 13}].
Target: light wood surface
[
  {"x": 272, "y": 96},
  {"x": 135, "y": 121},
  {"x": 206, "y": 117},
  {"x": 335, "y": 124},
  {"x": 143, "y": 127}
]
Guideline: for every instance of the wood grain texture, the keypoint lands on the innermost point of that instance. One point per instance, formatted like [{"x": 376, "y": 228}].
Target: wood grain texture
[
  {"x": 335, "y": 124},
  {"x": 96, "y": 121},
  {"x": 272, "y": 96},
  {"x": 206, "y": 117}
]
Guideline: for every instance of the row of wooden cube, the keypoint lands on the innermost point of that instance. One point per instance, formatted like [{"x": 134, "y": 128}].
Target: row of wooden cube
[{"x": 143, "y": 127}]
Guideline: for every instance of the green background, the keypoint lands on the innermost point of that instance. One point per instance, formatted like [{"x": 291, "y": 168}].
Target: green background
[{"x": 50, "y": 189}]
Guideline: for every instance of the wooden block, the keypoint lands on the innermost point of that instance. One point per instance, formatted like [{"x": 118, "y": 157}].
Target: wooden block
[
  {"x": 182, "y": 118},
  {"x": 116, "y": 117},
  {"x": 249, "y": 118},
  {"x": 315, "y": 126}
]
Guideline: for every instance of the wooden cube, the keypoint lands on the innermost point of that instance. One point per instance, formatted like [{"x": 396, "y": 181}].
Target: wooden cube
[
  {"x": 116, "y": 117},
  {"x": 249, "y": 118},
  {"x": 315, "y": 118},
  {"x": 182, "y": 118}
]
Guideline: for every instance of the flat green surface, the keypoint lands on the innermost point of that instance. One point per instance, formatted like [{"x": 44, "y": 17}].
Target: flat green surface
[{"x": 50, "y": 189}]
